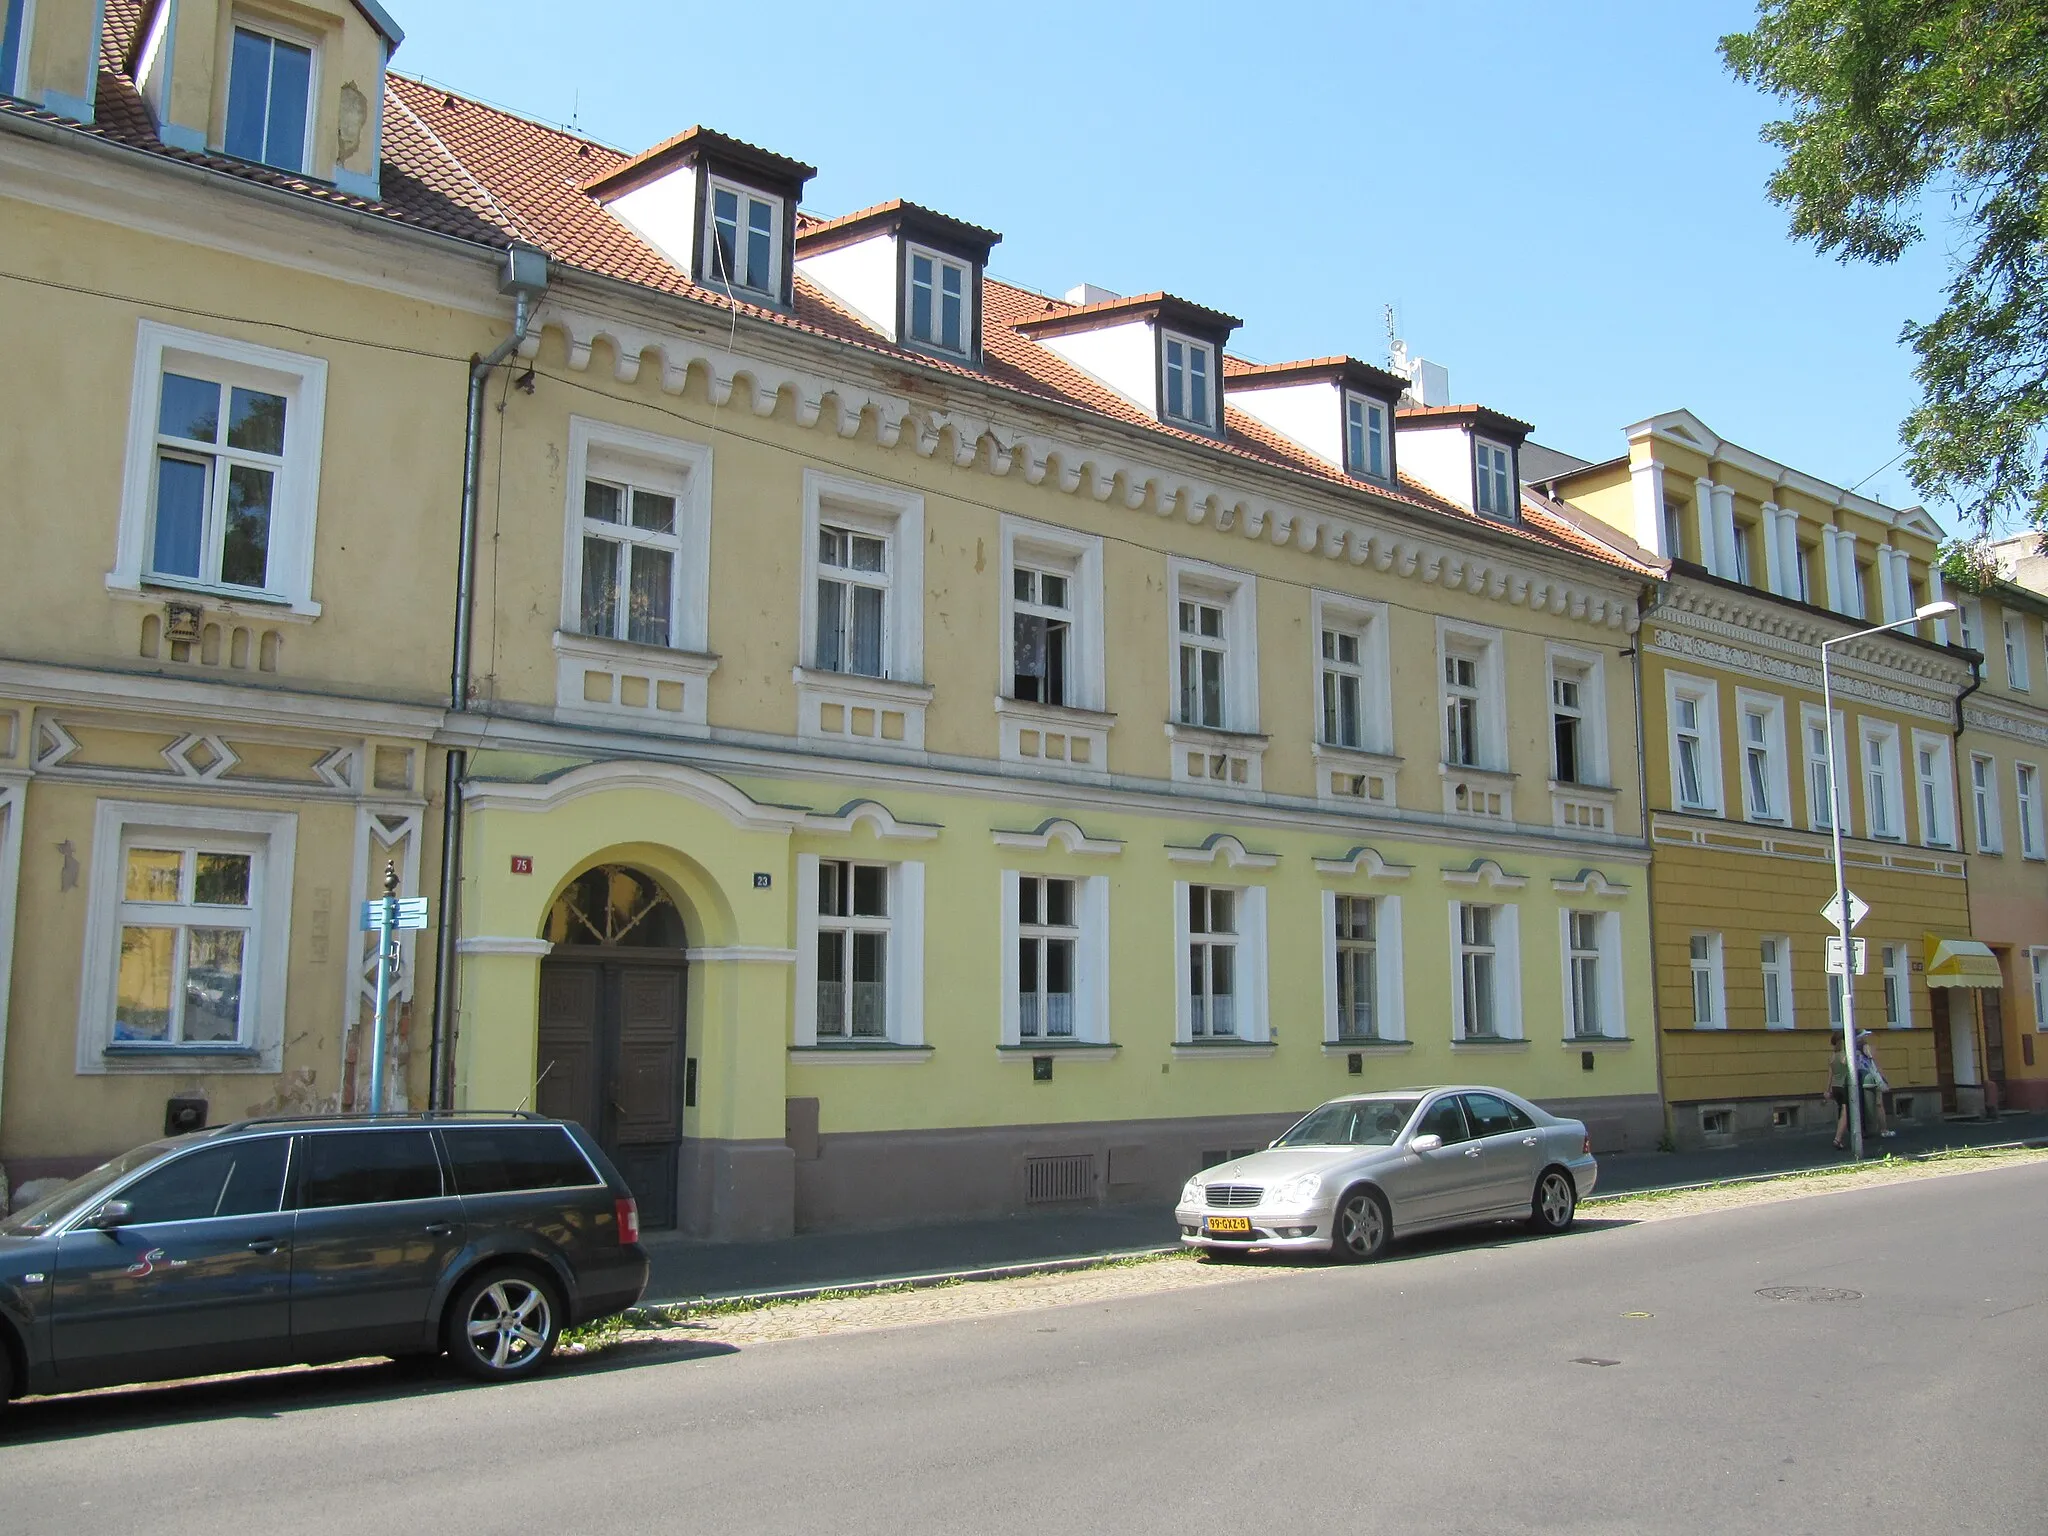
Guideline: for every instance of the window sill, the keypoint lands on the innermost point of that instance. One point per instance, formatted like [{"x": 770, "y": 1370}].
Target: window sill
[
  {"x": 611, "y": 682},
  {"x": 887, "y": 688},
  {"x": 1607, "y": 792},
  {"x": 881, "y": 1053},
  {"x": 1499, "y": 778},
  {"x": 1054, "y": 735},
  {"x": 197, "y": 1048},
  {"x": 1601, "y": 1043},
  {"x": 1190, "y": 1050},
  {"x": 851, "y": 710},
  {"x": 1076, "y": 1050},
  {"x": 1215, "y": 758},
  {"x": 1352, "y": 774},
  {"x": 145, "y": 1056},
  {"x": 1489, "y": 1044},
  {"x": 234, "y": 602},
  {"x": 1367, "y": 1047}
]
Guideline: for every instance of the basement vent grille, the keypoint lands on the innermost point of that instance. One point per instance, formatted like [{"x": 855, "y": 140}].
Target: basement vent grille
[{"x": 1048, "y": 1179}]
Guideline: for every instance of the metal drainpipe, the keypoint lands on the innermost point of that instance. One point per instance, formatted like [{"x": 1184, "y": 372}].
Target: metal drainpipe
[
  {"x": 1656, "y": 596},
  {"x": 525, "y": 278}
]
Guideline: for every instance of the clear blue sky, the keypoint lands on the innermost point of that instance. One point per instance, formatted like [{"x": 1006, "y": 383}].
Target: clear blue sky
[{"x": 1564, "y": 203}]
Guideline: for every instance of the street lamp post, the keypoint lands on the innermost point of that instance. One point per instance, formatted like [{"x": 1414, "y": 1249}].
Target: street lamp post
[{"x": 1827, "y": 705}]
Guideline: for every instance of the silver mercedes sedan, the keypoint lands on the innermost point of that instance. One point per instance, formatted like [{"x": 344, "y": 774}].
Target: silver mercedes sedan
[{"x": 1352, "y": 1173}]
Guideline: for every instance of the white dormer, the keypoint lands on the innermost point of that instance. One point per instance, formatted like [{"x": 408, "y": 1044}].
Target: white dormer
[
  {"x": 298, "y": 87},
  {"x": 1162, "y": 354},
  {"x": 1337, "y": 408},
  {"x": 1467, "y": 454},
  {"x": 720, "y": 211},
  {"x": 910, "y": 275}
]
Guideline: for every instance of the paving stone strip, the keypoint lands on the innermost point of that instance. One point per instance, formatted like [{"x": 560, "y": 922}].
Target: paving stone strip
[{"x": 819, "y": 1316}]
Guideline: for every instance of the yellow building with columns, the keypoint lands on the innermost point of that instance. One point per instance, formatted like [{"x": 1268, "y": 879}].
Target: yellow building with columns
[
  {"x": 1765, "y": 563},
  {"x": 919, "y": 747}
]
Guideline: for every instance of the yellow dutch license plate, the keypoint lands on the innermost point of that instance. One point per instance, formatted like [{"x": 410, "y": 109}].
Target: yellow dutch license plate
[{"x": 1230, "y": 1223}]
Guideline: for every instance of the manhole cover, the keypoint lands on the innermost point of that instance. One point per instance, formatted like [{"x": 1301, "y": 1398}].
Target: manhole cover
[
  {"x": 1807, "y": 1293},
  {"x": 1593, "y": 1360}
]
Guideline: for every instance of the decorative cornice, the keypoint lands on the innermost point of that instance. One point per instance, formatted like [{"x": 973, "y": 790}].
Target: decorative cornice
[
  {"x": 1773, "y": 624},
  {"x": 1366, "y": 861},
  {"x": 1486, "y": 872},
  {"x": 1738, "y": 658},
  {"x": 973, "y": 440},
  {"x": 1984, "y": 718},
  {"x": 1224, "y": 845},
  {"x": 876, "y": 815},
  {"x": 1066, "y": 833},
  {"x": 1588, "y": 882},
  {"x": 741, "y": 954},
  {"x": 496, "y": 944}
]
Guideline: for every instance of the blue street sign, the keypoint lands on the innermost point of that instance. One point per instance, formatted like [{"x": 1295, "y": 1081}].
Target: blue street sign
[{"x": 412, "y": 913}]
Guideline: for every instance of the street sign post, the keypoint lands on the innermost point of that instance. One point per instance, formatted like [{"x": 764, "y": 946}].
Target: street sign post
[
  {"x": 1858, "y": 910},
  {"x": 1859, "y": 952},
  {"x": 387, "y": 918}
]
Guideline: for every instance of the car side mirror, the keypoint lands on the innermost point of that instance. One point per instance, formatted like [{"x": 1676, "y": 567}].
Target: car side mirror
[
  {"x": 1272, "y": 1144},
  {"x": 113, "y": 1214},
  {"x": 1428, "y": 1142}
]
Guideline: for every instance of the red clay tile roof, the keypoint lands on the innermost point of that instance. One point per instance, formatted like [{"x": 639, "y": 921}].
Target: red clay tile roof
[
  {"x": 809, "y": 227},
  {"x": 460, "y": 167},
  {"x": 649, "y": 163}
]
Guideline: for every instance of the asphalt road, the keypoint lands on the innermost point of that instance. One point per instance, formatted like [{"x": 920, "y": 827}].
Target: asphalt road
[{"x": 1447, "y": 1389}]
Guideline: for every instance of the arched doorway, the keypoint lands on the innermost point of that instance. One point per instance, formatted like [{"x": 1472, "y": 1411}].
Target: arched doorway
[{"x": 612, "y": 1026}]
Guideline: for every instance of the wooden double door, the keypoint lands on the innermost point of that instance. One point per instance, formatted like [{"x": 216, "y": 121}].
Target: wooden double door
[{"x": 611, "y": 1057}]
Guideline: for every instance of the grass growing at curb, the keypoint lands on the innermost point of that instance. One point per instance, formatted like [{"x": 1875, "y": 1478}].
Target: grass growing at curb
[{"x": 1830, "y": 1171}]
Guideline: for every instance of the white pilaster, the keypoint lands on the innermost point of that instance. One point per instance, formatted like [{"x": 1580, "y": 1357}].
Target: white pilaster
[
  {"x": 13, "y": 807},
  {"x": 1778, "y": 576},
  {"x": 1646, "y": 481},
  {"x": 1724, "y": 531},
  {"x": 1703, "y": 523},
  {"x": 1934, "y": 595}
]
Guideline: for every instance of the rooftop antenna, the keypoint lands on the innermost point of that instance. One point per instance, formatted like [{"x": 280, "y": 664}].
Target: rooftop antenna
[
  {"x": 576, "y": 111},
  {"x": 1393, "y": 339}
]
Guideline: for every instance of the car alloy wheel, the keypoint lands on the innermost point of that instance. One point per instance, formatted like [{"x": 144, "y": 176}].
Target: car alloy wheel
[
  {"x": 503, "y": 1324},
  {"x": 1361, "y": 1228},
  {"x": 1556, "y": 1202}
]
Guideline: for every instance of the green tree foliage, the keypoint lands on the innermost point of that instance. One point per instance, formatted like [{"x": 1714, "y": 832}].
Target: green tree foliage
[{"x": 1898, "y": 107}]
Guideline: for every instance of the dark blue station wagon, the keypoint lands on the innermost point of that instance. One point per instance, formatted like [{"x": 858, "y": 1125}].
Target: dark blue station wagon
[{"x": 276, "y": 1242}]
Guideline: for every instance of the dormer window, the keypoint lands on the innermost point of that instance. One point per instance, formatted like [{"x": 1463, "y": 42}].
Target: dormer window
[
  {"x": 936, "y": 312},
  {"x": 270, "y": 90},
  {"x": 13, "y": 49},
  {"x": 1365, "y": 437},
  {"x": 1494, "y": 481},
  {"x": 745, "y": 238},
  {"x": 1190, "y": 365}
]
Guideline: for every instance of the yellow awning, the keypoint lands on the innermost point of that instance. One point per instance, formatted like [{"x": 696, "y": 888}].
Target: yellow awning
[{"x": 1961, "y": 963}]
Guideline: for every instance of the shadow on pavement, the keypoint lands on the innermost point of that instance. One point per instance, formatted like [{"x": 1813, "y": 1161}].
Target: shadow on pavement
[
  {"x": 273, "y": 1394},
  {"x": 1503, "y": 1235}
]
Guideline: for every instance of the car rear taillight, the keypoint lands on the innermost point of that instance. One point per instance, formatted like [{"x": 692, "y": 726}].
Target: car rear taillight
[
  {"x": 1586, "y": 1147},
  {"x": 628, "y": 1210}
]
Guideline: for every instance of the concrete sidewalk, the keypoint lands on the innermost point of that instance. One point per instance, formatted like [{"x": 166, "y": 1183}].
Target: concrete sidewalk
[{"x": 687, "y": 1270}]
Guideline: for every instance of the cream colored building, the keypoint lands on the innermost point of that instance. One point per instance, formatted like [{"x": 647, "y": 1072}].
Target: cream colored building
[{"x": 926, "y": 747}]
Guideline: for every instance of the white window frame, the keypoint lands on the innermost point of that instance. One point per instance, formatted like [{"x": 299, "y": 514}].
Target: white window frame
[
  {"x": 1236, "y": 593},
  {"x": 303, "y": 382},
  {"x": 277, "y": 31},
  {"x": 1589, "y": 670},
  {"x": 1705, "y": 696},
  {"x": 2029, "y": 801},
  {"x": 1987, "y": 822},
  {"x": 1249, "y": 971},
  {"x": 673, "y": 466},
  {"x": 1777, "y": 980},
  {"x": 903, "y": 954},
  {"x": 1091, "y": 958},
  {"x": 1771, "y": 709},
  {"x": 272, "y": 837},
  {"x": 1363, "y": 416},
  {"x": 1815, "y": 766},
  {"x": 941, "y": 264},
  {"x": 1389, "y": 999},
  {"x": 1367, "y": 624},
  {"x": 1493, "y": 480},
  {"x": 1970, "y": 623},
  {"x": 1078, "y": 557},
  {"x": 2018, "y": 669},
  {"x": 1936, "y": 793},
  {"x": 1897, "y": 971},
  {"x": 1483, "y": 646},
  {"x": 1507, "y": 971},
  {"x": 1606, "y": 957},
  {"x": 1706, "y": 980},
  {"x": 1211, "y": 377},
  {"x": 1889, "y": 827},
  {"x": 879, "y": 511},
  {"x": 2037, "y": 971},
  {"x": 713, "y": 185}
]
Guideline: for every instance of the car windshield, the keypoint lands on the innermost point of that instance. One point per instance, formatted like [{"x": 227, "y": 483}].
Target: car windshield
[
  {"x": 1351, "y": 1123},
  {"x": 39, "y": 1216}
]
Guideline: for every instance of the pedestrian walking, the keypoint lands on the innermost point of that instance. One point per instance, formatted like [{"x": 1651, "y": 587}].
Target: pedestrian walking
[
  {"x": 1838, "y": 1090},
  {"x": 1872, "y": 1078}
]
